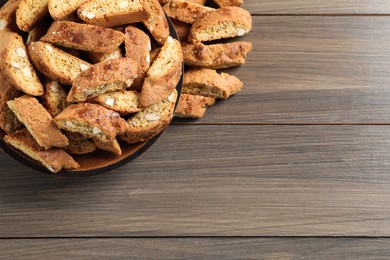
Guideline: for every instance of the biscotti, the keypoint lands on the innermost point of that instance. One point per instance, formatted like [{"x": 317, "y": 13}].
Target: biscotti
[
  {"x": 54, "y": 98},
  {"x": 163, "y": 75},
  {"x": 138, "y": 46},
  {"x": 8, "y": 121},
  {"x": 186, "y": 11},
  {"x": 225, "y": 22},
  {"x": 149, "y": 122},
  {"x": 109, "y": 75},
  {"x": 79, "y": 144},
  {"x": 53, "y": 159},
  {"x": 209, "y": 83},
  {"x": 60, "y": 9},
  {"x": 96, "y": 57},
  {"x": 55, "y": 63},
  {"x": 111, "y": 146},
  {"x": 216, "y": 56},
  {"x": 182, "y": 29},
  {"x": 91, "y": 121},
  {"x": 125, "y": 102},
  {"x": 157, "y": 23},
  {"x": 30, "y": 12},
  {"x": 16, "y": 64},
  {"x": 114, "y": 12},
  {"x": 223, "y": 3},
  {"x": 8, "y": 15},
  {"x": 193, "y": 106}
]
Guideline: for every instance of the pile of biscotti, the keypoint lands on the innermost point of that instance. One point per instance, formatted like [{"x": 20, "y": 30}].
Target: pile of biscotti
[{"x": 77, "y": 75}]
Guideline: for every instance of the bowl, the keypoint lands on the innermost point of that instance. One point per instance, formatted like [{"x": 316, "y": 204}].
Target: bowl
[{"x": 99, "y": 161}]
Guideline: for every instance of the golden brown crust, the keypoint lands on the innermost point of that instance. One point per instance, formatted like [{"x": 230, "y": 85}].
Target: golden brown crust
[
  {"x": 60, "y": 9},
  {"x": 8, "y": 15},
  {"x": 223, "y": 3},
  {"x": 53, "y": 159},
  {"x": 225, "y": 22},
  {"x": 54, "y": 98},
  {"x": 30, "y": 12},
  {"x": 138, "y": 46},
  {"x": 83, "y": 37},
  {"x": 55, "y": 63},
  {"x": 91, "y": 120},
  {"x": 37, "y": 121},
  {"x": 96, "y": 57},
  {"x": 125, "y": 102},
  {"x": 216, "y": 56},
  {"x": 193, "y": 106},
  {"x": 109, "y": 75},
  {"x": 186, "y": 11},
  {"x": 111, "y": 146},
  {"x": 157, "y": 23},
  {"x": 163, "y": 75},
  {"x": 114, "y": 12},
  {"x": 209, "y": 83}
]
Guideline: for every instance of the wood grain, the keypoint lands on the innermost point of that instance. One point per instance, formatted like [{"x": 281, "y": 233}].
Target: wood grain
[
  {"x": 207, "y": 248},
  {"x": 217, "y": 181},
  {"x": 310, "y": 70},
  {"x": 318, "y": 7}
]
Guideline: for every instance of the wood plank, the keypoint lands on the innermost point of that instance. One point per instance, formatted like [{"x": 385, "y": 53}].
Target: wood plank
[
  {"x": 309, "y": 70},
  {"x": 318, "y": 7},
  {"x": 217, "y": 181},
  {"x": 208, "y": 248}
]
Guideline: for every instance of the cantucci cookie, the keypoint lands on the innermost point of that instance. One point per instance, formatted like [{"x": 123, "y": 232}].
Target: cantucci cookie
[
  {"x": 37, "y": 121},
  {"x": 124, "y": 102},
  {"x": 8, "y": 121},
  {"x": 83, "y": 37},
  {"x": 79, "y": 144},
  {"x": 30, "y": 12},
  {"x": 193, "y": 106},
  {"x": 225, "y": 22},
  {"x": 163, "y": 75},
  {"x": 111, "y": 146},
  {"x": 138, "y": 46},
  {"x": 60, "y": 9},
  {"x": 91, "y": 121},
  {"x": 154, "y": 54},
  {"x": 16, "y": 64},
  {"x": 157, "y": 23},
  {"x": 96, "y": 57},
  {"x": 114, "y": 12},
  {"x": 209, "y": 83},
  {"x": 8, "y": 15},
  {"x": 199, "y": 2},
  {"x": 53, "y": 159},
  {"x": 109, "y": 75},
  {"x": 54, "y": 98},
  {"x": 223, "y": 3},
  {"x": 186, "y": 11},
  {"x": 182, "y": 29},
  {"x": 216, "y": 56},
  {"x": 149, "y": 122},
  {"x": 55, "y": 63},
  {"x": 38, "y": 31}
]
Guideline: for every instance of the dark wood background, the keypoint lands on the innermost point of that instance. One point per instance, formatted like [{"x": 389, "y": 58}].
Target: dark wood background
[{"x": 297, "y": 165}]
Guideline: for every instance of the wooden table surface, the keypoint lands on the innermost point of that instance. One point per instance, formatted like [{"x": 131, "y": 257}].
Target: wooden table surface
[{"x": 295, "y": 166}]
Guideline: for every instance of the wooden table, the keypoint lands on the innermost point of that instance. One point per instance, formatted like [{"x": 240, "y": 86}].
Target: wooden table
[{"x": 295, "y": 166}]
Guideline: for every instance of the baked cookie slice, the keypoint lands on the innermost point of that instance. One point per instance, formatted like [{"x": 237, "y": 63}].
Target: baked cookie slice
[
  {"x": 163, "y": 75},
  {"x": 60, "y": 9},
  {"x": 83, "y": 37},
  {"x": 53, "y": 159},
  {"x": 111, "y": 146},
  {"x": 8, "y": 121},
  {"x": 38, "y": 31},
  {"x": 149, "y": 122},
  {"x": 91, "y": 121},
  {"x": 193, "y": 106},
  {"x": 96, "y": 57},
  {"x": 29, "y": 12},
  {"x": 114, "y": 12},
  {"x": 223, "y": 3},
  {"x": 55, "y": 63},
  {"x": 182, "y": 29},
  {"x": 37, "y": 121},
  {"x": 54, "y": 98},
  {"x": 138, "y": 46},
  {"x": 216, "y": 56},
  {"x": 79, "y": 144},
  {"x": 157, "y": 23},
  {"x": 8, "y": 15},
  {"x": 225, "y": 22},
  {"x": 16, "y": 64},
  {"x": 209, "y": 83},
  {"x": 199, "y": 2},
  {"x": 186, "y": 11},
  {"x": 106, "y": 76},
  {"x": 125, "y": 102}
]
